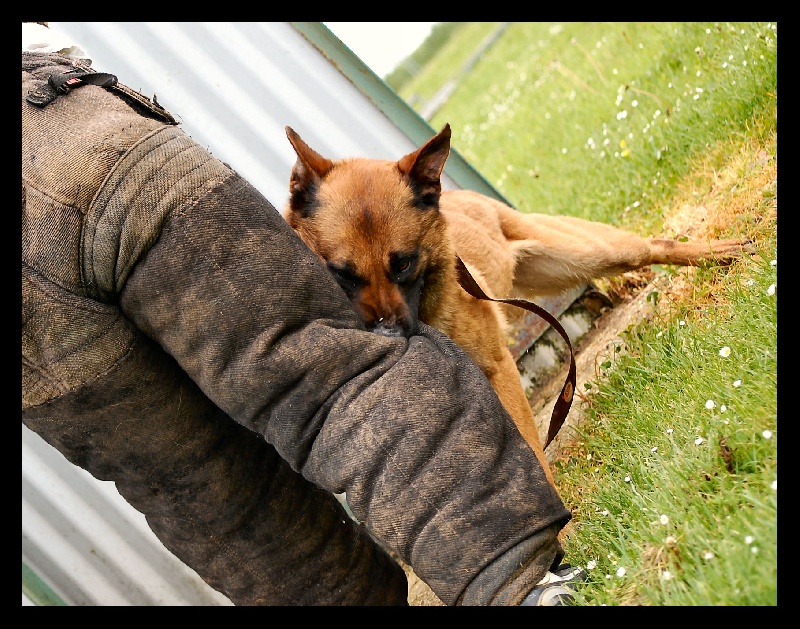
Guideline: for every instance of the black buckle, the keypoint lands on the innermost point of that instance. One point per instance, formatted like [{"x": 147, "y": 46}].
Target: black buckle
[{"x": 62, "y": 83}]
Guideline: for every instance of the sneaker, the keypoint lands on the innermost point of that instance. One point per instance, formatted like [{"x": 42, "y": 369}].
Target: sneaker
[{"x": 556, "y": 588}]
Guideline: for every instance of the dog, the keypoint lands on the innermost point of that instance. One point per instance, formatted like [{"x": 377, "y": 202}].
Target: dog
[{"x": 390, "y": 237}]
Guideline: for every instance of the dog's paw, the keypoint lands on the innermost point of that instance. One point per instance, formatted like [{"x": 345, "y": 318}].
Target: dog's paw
[{"x": 731, "y": 248}]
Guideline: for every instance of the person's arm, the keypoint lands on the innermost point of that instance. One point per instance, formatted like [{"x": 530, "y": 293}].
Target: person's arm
[{"x": 410, "y": 430}]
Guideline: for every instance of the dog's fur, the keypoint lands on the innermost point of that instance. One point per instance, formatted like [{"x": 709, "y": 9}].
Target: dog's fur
[{"x": 389, "y": 235}]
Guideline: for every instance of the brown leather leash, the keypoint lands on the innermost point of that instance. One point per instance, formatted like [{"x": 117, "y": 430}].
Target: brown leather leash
[{"x": 564, "y": 401}]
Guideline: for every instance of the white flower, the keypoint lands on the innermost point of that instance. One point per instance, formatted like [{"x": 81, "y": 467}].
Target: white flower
[
  {"x": 670, "y": 540},
  {"x": 767, "y": 434},
  {"x": 591, "y": 565},
  {"x": 710, "y": 405},
  {"x": 723, "y": 408},
  {"x": 708, "y": 555},
  {"x": 681, "y": 323},
  {"x": 737, "y": 383},
  {"x": 749, "y": 540},
  {"x": 654, "y": 449},
  {"x": 669, "y": 431},
  {"x": 604, "y": 512},
  {"x": 665, "y": 575},
  {"x": 621, "y": 572},
  {"x": 754, "y": 550},
  {"x": 627, "y": 479},
  {"x": 664, "y": 520},
  {"x": 698, "y": 441},
  {"x": 773, "y": 262},
  {"x": 774, "y": 485},
  {"x": 771, "y": 290},
  {"x": 725, "y": 352}
]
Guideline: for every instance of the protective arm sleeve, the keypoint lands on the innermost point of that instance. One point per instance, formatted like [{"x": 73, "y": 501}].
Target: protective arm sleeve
[{"x": 410, "y": 430}]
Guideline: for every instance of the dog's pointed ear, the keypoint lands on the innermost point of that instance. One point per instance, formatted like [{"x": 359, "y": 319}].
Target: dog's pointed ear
[
  {"x": 423, "y": 168},
  {"x": 307, "y": 173}
]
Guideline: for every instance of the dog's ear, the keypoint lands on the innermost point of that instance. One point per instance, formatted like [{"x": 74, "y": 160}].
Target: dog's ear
[
  {"x": 307, "y": 173},
  {"x": 423, "y": 168}
]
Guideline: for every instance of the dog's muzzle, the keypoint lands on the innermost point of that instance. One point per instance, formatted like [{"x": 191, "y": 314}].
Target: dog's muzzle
[{"x": 385, "y": 327}]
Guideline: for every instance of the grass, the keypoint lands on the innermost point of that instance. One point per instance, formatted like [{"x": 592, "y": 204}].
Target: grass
[
  {"x": 544, "y": 114},
  {"x": 684, "y": 425},
  {"x": 660, "y": 128}
]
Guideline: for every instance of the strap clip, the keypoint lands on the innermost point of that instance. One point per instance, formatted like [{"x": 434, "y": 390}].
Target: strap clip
[{"x": 58, "y": 84}]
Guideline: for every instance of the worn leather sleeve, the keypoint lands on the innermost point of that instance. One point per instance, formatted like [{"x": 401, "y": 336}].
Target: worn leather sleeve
[{"x": 410, "y": 430}]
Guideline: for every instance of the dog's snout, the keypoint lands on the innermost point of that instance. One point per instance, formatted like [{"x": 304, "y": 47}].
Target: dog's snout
[
  {"x": 390, "y": 326},
  {"x": 386, "y": 328},
  {"x": 385, "y": 311}
]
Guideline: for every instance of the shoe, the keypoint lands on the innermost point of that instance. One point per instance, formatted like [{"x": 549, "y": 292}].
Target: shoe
[{"x": 556, "y": 588}]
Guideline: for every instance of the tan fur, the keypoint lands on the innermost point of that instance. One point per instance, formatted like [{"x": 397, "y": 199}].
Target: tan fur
[{"x": 360, "y": 213}]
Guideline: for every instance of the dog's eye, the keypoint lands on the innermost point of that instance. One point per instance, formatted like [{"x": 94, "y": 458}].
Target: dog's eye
[
  {"x": 348, "y": 280},
  {"x": 402, "y": 266}
]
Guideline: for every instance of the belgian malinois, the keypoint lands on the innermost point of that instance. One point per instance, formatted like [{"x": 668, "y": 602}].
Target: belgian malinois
[{"x": 389, "y": 236}]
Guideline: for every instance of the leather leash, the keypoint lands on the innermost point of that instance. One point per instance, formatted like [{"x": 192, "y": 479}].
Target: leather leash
[{"x": 564, "y": 401}]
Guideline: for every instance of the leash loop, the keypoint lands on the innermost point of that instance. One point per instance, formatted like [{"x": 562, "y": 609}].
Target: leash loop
[{"x": 564, "y": 401}]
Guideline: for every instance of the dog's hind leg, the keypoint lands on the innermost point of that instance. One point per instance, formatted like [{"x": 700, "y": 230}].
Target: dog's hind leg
[{"x": 554, "y": 253}]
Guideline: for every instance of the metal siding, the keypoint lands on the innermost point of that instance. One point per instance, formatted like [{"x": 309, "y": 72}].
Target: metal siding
[{"x": 234, "y": 86}]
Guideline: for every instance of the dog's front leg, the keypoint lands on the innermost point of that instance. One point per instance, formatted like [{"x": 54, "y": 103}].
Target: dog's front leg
[
  {"x": 505, "y": 379},
  {"x": 477, "y": 327}
]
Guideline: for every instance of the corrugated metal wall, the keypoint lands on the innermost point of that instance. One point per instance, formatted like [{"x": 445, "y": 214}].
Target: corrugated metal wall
[{"x": 235, "y": 87}]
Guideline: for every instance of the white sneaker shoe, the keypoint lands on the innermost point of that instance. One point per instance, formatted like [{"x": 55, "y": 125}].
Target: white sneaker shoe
[{"x": 556, "y": 587}]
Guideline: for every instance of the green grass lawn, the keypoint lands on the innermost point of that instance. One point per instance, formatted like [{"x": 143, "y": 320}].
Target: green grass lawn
[{"x": 673, "y": 485}]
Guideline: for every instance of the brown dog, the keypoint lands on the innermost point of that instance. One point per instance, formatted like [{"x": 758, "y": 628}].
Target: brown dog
[{"x": 389, "y": 236}]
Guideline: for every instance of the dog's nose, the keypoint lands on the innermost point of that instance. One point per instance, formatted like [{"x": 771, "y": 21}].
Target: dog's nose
[
  {"x": 388, "y": 327},
  {"x": 388, "y": 330}
]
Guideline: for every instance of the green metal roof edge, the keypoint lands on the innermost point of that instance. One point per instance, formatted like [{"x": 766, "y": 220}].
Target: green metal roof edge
[
  {"x": 38, "y": 591},
  {"x": 393, "y": 107}
]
